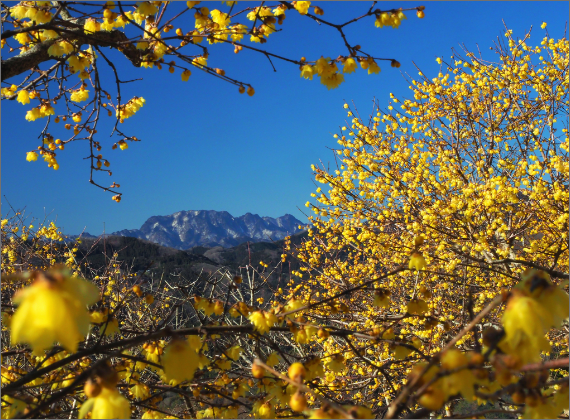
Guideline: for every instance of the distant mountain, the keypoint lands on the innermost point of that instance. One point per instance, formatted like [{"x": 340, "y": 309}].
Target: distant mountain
[
  {"x": 188, "y": 229},
  {"x": 148, "y": 259}
]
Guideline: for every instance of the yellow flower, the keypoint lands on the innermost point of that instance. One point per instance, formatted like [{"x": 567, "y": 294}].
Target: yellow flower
[
  {"x": 140, "y": 391},
  {"x": 146, "y": 8},
  {"x": 433, "y": 398},
  {"x": 130, "y": 108},
  {"x": 397, "y": 19},
  {"x": 112, "y": 327},
  {"x": 33, "y": 114},
  {"x": 152, "y": 414},
  {"x": 77, "y": 63},
  {"x": 98, "y": 317},
  {"x": 250, "y": 91},
  {"x": 200, "y": 62},
  {"x": 267, "y": 410},
  {"x": 382, "y": 299},
  {"x": 272, "y": 360},
  {"x": 401, "y": 352},
  {"x": 324, "y": 67},
  {"x": 298, "y": 402},
  {"x": 42, "y": 16},
  {"x": 23, "y": 97},
  {"x": 349, "y": 65},
  {"x": 179, "y": 361},
  {"x": 48, "y": 34},
  {"x": 293, "y": 305},
  {"x": 186, "y": 75},
  {"x": 46, "y": 109},
  {"x": 15, "y": 408},
  {"x": 538, "y": 285},
  {"x": 462, "y": 381},
  {"x": 525, "y": 322},
  {"x": 218, "y": 307},
  {"x": 52, "y": 309},
  {"x": 417, "y": 306},
  {"x": 373, "y": 68},
  {"x": 18, "y": 12},
  {"x": 23, "y": 38},
  {"x": 297, "y": 372},
  {"x": 195, "y": 342},
  {"x": 333, "y": 81},
  {"x": 108, "y": 404},
  {"x": 220, "y": 18},
  {"x": 80, "y": 95},
  {"x": 543, "y": 25},
  {"x": 555, "y": 300},
  {"x": 417, "y": 261},
  {"x": 315, "y": 369},
  {"x": 262, "y": 321},
  {"x": 302, "y": 6},
  {"x": 31, "y": 156},
  {"x": 234, "y": 352},
  {"x": 307, "y": 71},
  {"x": 336, "y": 363},
  {"x": 59, "y": 48}
]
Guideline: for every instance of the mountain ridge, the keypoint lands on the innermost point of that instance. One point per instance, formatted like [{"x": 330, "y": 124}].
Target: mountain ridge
[{"x": 191, "y": 228}]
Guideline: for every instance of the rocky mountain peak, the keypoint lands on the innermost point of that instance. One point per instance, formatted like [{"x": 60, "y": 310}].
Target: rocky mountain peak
[{"x": 187, "y": 229}]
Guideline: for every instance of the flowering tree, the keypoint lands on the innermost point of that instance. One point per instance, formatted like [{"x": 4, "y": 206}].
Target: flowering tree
[
  {"x": 59, "y": 54},
  {"x": 434, "y": 279}
]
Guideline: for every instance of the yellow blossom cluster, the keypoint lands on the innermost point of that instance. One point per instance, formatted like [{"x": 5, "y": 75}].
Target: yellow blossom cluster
[
  {"x": 155, "y": 38},
  {"x": 447, "y": 166},
  {"x": 435, "y": 266},
  {"x": 130, "y": 108}
]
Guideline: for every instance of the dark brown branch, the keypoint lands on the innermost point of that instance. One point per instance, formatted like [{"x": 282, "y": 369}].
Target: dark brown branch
[{"x": 38, "y": 54}]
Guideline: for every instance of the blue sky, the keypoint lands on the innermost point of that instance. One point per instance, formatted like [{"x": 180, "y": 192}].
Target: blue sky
[{"x": 206, "y": 147}]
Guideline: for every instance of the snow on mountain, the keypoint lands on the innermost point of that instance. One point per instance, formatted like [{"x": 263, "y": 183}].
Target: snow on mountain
[{"x": 187, "y": 229}]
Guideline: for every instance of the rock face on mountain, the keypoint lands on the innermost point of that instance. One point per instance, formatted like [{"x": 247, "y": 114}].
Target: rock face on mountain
[{"x": 187, "y": 229}]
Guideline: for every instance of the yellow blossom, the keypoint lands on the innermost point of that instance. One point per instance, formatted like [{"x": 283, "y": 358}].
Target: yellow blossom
[
  {"x": 108, "y": 404},
  {"x": 146, "y": 8},
  {"x": 349, "y": 65},
  {"x": 373, "y": 67},
  {"x": 186, "y": 75},
  {"x": 525, "y": 322},
  {"x": 302, "y": 6},
  {"x": 52, "y": 309},
  {"x": 31, "y": 156},
  {"x": 80, "y": 95},
  {"x": 23, "y": 97},
  {"x": 336, "y": 363},
  {"x": 333, "y": 81},
  {"x": 307, "y": 71},
  {"x": 417, "y": 261},
  {"x": 382, "y": 299},
  {"x": 179, "y": 361},
  {"x": 262, "y": 321},
  {"x": 272, "y": 360}
]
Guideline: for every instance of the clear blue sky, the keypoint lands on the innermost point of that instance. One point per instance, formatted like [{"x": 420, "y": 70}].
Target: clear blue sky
[{"x": 206, "y": 147}]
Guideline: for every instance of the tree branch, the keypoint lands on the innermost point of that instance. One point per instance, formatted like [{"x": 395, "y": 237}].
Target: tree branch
[{"x": 38, "y": 54}]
